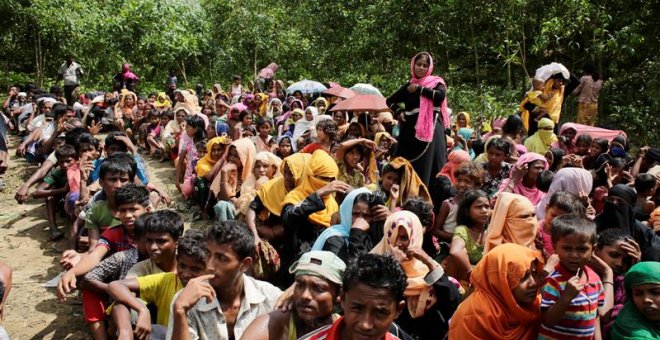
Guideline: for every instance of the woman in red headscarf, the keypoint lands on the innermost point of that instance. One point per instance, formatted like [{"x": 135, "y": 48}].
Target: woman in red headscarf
[{"x": 424, "y": 119}]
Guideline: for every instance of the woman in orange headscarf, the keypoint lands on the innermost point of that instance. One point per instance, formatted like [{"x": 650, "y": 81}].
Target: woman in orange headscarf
[
  {"x": 431, "y": 297},
  {"x": 513, "y": 221},
  {"x": 506, "y": 302}
]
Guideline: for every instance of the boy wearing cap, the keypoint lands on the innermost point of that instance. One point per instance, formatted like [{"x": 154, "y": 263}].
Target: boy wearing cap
[{"x": 318, "y": 282}]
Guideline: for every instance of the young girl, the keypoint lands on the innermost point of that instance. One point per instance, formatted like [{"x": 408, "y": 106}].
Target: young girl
[
  {"x": 639, "y": 317},
  {"x": 172, "y": 132},
  {"x": 238, "y": 166},
  {"x": 497, "y": 170},
  {"x": 208, "y": 167},
  {"x": 207, "y": 110},
  {"x": 582, "y": 144},
  {"x": 326, "y": 134},
  {"x": 266, "y": 166},
  {"x": 598, "y": 147},
  {"x": 264, "y": 141},
  {"x": 616, "y": 252},
  {"x": 350, "y": 155},
  {"x": 468, "y": 177},
  {"x": 390, "y": 181},
  {"x": 467, "y": 244},
  {"x": 284, "y": 148},
  {"x": 306, "y": 123},
  {"x": 248, "y": 132},
  {"x": 524, "y": 175},
  {"x": 153, "y": 131},
  {"x": 194, "y": 132}
]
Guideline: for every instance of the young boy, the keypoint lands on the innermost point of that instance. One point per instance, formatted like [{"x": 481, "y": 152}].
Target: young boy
[
  {"x": 561, "y": 203},
  {"x": 131, "y": 201},
  {"x": 572, "y": 294},
  {"x": 160, "y": 289},
  {"x": 54, "y": 187},
  {"x": 162, "y": 234}
]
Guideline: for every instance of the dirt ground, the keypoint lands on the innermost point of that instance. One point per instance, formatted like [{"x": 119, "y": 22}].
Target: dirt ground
[{"x": 33, "y": 311}]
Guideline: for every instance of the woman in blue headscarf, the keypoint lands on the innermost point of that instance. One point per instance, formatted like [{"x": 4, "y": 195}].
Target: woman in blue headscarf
[
  {"x": 335, "y": 238},
  {"x": 464, "y": 138}
]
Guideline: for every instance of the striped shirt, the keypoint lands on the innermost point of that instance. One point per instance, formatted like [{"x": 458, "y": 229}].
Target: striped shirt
[{"x": 579, "y": 321}]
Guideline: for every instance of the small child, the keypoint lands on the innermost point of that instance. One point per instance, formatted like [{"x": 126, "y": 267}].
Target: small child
[
  {"x": 351, "y": 156},
  {"x": 390, "y": 180},
  {"x": 582, "y": 144},
  {"x": 264, "y": 141},
  {"x": 645, "y": 185},
  {"x": 236, "y": 86},
  {"x": 467, "y": 244},
  {"x": 561, "y": 203},
  {"x": 619, "y": 251},
  {"x": 153, "y": 132},
  {"x": 469, "y": 176},
  {"x": 327, "y": 136},
  {"x": 54, "y": 187},
  {"x": 249, "y": 132},
  {"x": 573, "y": 294}
]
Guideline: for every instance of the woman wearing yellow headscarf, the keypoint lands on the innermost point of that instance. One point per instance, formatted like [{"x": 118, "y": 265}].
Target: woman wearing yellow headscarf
[
  {"x": 266, "y": 167},
  {"x": 208, "y": 166},
  {"x": 307, "y": 210},
  {"x": 162, "y": 101},
  {"x": 546, "y": 101},
  {"x": 262, "y": 110},
  {"x": 462, "y": 121},
  {"x": 541, "y": 141},
  {"x": 263, "y": 212},
  {"x": 431, "y": 297}
]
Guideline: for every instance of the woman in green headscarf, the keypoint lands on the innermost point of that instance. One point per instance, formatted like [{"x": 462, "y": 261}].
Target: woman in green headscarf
[
  {"x": 541, "y": 141},
  {"x": 640, "y": 316}
]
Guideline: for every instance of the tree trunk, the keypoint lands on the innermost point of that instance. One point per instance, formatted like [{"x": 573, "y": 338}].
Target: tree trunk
[
  {"x": 182, "y": 68},
  {"x": 476, "y": 56}
]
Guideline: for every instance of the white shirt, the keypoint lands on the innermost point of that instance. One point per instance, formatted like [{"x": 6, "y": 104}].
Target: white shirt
[
  {"x": 70, "y": 73},
  {"x": 206, "y": 321}
]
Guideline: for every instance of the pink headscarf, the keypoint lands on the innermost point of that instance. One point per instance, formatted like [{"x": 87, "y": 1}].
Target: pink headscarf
[
  {"x": 269, "y": 71},
  {"x": 127, "y": 74},
  {"x": 455, "y": 159},
  {"x": 533, "y": 194},
  {"x": 594, "y": 132},
  {"x": 424, "y": 126}
]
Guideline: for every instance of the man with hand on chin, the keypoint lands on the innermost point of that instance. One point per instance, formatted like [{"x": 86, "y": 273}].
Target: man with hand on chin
[{"x": 222, "y": 304}]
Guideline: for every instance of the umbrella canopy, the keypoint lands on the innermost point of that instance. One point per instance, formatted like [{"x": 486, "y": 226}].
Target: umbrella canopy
[
  {"x": 363, "y": 102},
  {"x": 306, "y": 86},
  {"x": 366, "y": 89},
  {"x": 340, "y": 92}
]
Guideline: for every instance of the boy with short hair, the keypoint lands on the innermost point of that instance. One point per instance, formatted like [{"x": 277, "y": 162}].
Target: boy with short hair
[
  {"x": 54, "y": 187},
  {"x": 160, "y": 288},
  {"x": 164, "y": 229},
  {"x": 561, "y": 203},
  {"x": 573, "y": 293},
  {"x": 131, "y": 202}
]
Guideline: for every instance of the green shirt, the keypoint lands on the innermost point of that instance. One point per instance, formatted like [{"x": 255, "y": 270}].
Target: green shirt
[
  {"x": 100, "y": 216},
  {"x": 475, "y": 251},
  {"x": 56, "y": 178}
]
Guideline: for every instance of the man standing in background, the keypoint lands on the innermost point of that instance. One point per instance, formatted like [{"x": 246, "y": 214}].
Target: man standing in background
[{"x": 70, "y": 71}]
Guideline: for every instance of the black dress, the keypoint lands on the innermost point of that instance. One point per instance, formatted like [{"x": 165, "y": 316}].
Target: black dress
[{"x": 427, "y": 158}]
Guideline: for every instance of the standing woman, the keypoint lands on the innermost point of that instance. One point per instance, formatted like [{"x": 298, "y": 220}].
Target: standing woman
[
  {"x": 422, "y": 124},
  {"x": 587, "y": 92}
]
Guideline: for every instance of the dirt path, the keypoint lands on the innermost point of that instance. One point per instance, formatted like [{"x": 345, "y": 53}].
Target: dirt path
[{"x": 32, "y": 311}]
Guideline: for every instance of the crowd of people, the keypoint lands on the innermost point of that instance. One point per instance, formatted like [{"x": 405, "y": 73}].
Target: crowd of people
[{"x": 411, "y": 222}]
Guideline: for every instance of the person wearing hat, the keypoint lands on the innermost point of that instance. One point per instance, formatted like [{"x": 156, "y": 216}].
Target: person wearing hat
[{"x": 316, "y": 290}]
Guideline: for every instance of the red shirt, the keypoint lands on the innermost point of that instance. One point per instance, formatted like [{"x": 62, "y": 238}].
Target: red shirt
[
  {"x": 312, "y": 147},
  {"x": 333, "y": 332},
  {"x": 116, "y": 239}
]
